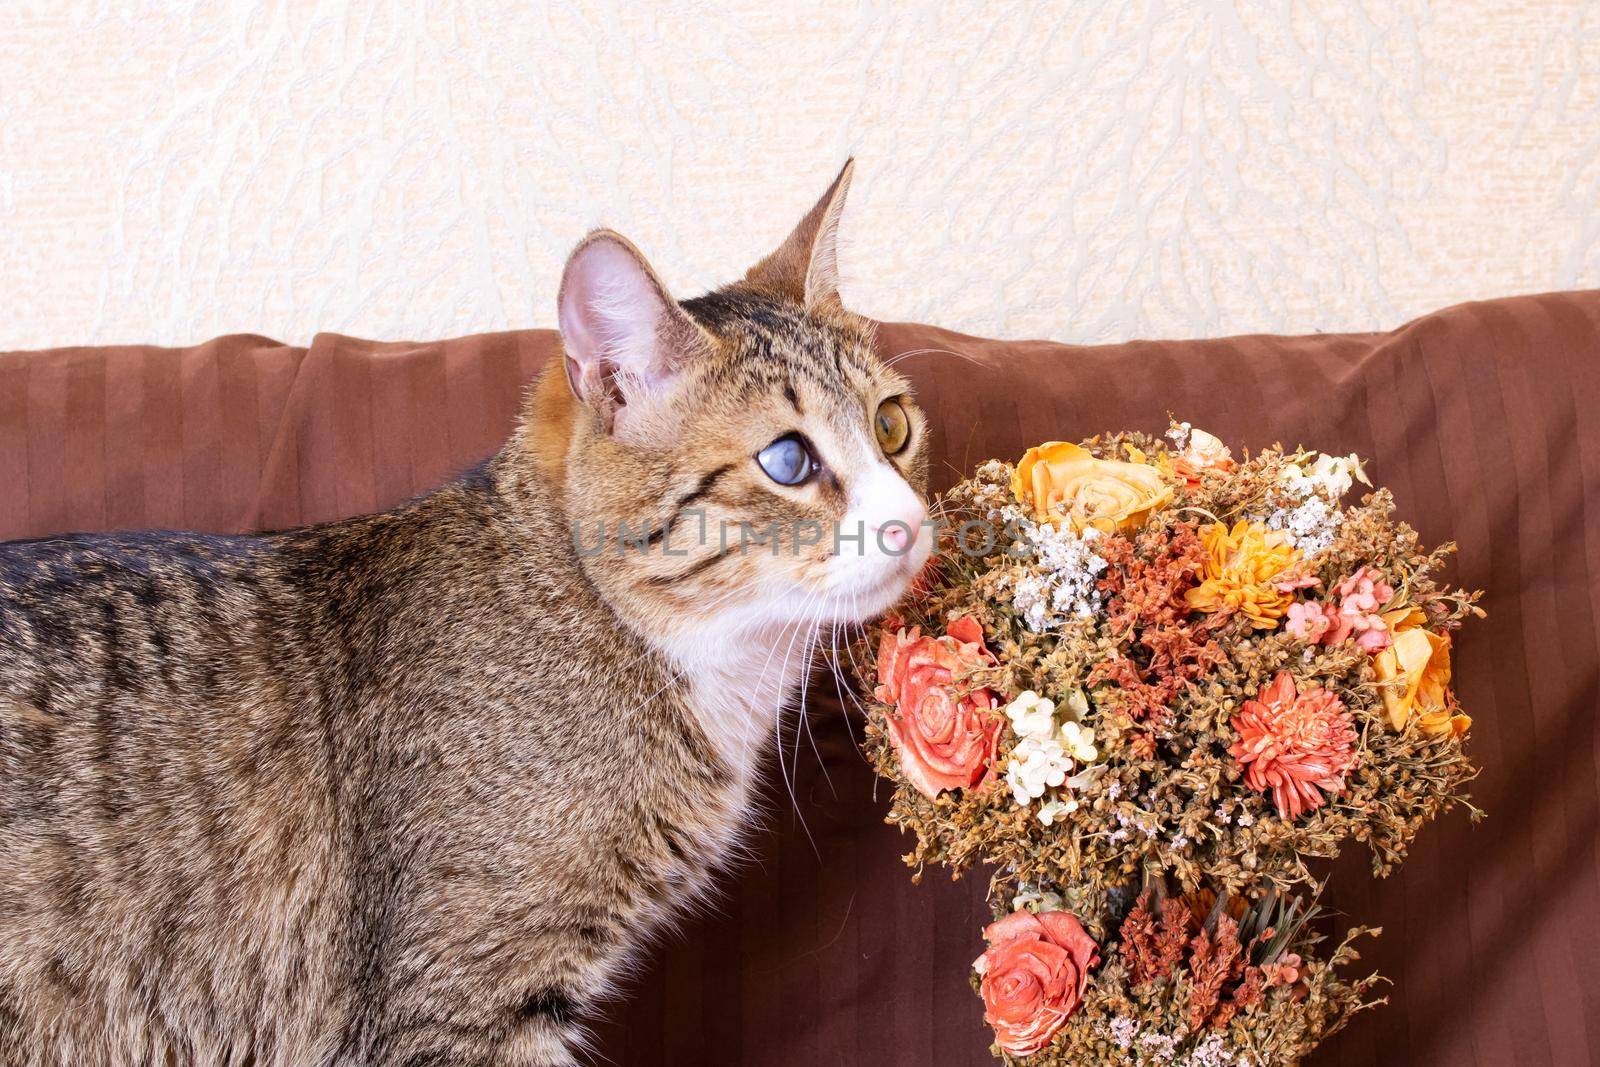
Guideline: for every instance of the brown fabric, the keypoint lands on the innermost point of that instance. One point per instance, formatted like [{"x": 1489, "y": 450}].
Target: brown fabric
[
  {"x": 132, "y": 437},
  {"x": 371, "y": 424},
  {"x": 1483, "y": 419}
]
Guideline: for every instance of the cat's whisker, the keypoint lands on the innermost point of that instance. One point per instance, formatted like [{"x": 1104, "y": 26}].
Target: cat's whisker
[
  {"x": 807, "y": 666},
  {"x": 807, "y": 663},
  {"x": 646, "y": 701},
  {"x": 848, "y": 686},
  {"x": 849, "y": 648},
  {"x": 899, "y": 356},
  {"x": 853, "y": 632},
  {"x": 848, "y": 689},
  {"x": 810, "y": 632},
  {"x": 831, "y": 614},
  {"x": 840, "y": 685},
  {"x": 777, "y": 720},
  {"x": 797, "y": 625},
  {"x": 856, "y": 667}
]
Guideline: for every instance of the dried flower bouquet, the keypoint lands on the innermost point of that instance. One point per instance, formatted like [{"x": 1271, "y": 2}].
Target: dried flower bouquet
[{"x": 1138, "y": 663}]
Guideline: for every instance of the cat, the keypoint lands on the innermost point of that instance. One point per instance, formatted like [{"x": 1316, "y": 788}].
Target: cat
[{"x": 414, "y": 788}]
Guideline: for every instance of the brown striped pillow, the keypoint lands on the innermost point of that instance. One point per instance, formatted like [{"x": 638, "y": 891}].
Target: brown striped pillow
[{"x": 1484, "y": 419}]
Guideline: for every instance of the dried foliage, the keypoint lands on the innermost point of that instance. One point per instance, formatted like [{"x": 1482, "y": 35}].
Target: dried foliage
[
  {"x": 1164, "y": 683},
  {"x": 1226, "y": 998},
  {"x": 1169, "y": 624}
]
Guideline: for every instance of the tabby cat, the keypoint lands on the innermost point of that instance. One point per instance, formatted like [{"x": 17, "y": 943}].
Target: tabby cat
[{"x": 412, "y": 789}]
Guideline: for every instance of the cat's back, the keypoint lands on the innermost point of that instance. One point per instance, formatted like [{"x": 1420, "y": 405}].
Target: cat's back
[
  {"x": 115, "y": 648},
  {"x": 159, "y": 797},
  {"x": 207, "y": 745},
  {"x": 88, "y": 615}
]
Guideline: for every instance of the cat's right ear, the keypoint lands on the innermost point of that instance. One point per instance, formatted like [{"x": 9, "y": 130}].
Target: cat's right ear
[{"x": 624, "y": 337}]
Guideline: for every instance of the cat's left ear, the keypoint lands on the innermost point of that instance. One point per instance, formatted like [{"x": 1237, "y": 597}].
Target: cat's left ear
[
  {"x": 624, "y": 338},
  {"x": 805, "y": 268}
]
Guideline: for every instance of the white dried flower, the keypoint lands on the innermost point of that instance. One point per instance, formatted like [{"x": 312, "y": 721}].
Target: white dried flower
[
  {"x": 1056, "y": 809},
  {"x": 1330, "y": 476},
  {"x": 994, "y": 470},
  {"x": 1037, "y": 900},
  {"x": 1160, "y": 1048},
  {"x": 1311, "y": 524},
  {"x": 1079, "y": 742},
  {"x": 1065, "y": 568},
  {"x": 1032, "y": 715},
  {"x": 1035, "y": 766},
  {"x": 1213, "y": 1051}
]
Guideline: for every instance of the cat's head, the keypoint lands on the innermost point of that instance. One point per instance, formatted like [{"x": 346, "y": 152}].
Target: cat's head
[{"x": 742, "y": 459}]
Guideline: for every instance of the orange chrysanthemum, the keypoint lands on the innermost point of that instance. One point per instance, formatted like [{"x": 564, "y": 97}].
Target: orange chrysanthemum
[
  {"x": 1249, "y": 569},
  {"x": 1296, "y": 746}
]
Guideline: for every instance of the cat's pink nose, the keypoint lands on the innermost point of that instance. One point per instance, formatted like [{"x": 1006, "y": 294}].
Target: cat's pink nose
[{"x": 896, "y": 536}]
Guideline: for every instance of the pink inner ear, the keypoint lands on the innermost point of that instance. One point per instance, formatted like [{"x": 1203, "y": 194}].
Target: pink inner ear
[{"x": 611, "y": 314}]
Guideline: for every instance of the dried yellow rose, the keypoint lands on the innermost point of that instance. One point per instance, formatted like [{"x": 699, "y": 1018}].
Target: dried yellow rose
[{"x": 1061, "y": 483}]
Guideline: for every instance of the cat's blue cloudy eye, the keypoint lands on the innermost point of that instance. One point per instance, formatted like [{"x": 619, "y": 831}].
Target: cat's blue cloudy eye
[{"x": 787, "y": 461}]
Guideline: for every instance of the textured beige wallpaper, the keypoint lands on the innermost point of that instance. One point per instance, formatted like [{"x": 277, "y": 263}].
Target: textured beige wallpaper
[{"x": 173, "y": 170}]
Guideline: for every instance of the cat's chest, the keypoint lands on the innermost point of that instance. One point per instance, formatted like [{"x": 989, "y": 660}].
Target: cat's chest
[
  {"x": 739, "y": 697},
  {"x": 691, "y": 793},
  {"x": 686, "y": 826}
]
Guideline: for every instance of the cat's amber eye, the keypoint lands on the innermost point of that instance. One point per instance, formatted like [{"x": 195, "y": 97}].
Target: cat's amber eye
[{"x": 892, "y": 426}]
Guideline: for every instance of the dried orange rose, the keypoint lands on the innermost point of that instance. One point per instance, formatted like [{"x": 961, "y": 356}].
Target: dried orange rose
[
  {"x": 1416, "y": 670},
  {"x": 944, "y": 731},
  {"x": 1033, "y": 976},
  {"x": 1062, "y": 483}
]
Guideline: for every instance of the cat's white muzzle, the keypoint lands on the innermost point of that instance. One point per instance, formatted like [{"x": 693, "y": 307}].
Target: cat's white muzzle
[{"x": 883, "y": 543}]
